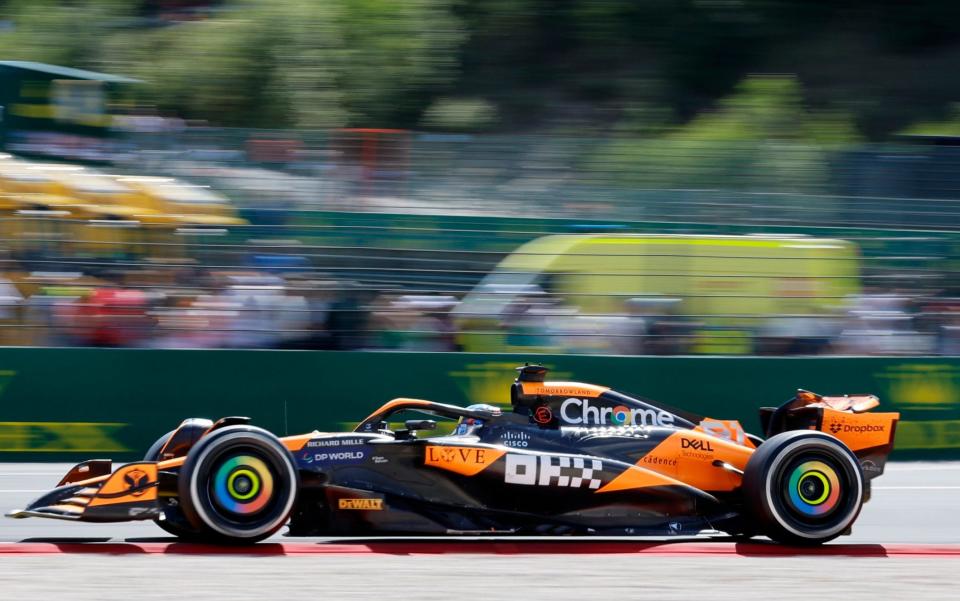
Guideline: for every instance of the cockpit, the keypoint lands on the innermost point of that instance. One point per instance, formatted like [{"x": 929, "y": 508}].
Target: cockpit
[
  {"x": 472, "y": 426},
  {"x": 469, "y": 421}
]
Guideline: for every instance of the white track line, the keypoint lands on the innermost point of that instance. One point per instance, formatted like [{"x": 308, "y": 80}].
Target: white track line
[
  {"x": 39, "y": 490},
  {"x": 906, "y": 467},
  {"x": 916, "y": 488}
]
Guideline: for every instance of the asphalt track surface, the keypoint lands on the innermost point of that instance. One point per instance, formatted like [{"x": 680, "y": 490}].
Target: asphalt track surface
[{"x": 906, "y": 543}]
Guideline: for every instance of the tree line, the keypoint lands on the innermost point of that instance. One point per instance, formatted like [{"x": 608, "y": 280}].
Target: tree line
[{"x": 851, "y": 69}]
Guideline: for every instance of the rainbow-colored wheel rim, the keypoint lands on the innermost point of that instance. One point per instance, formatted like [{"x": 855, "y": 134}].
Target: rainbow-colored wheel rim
[
  {"x": 243, "y": 485},
  {"x": 814, "y": 488}
]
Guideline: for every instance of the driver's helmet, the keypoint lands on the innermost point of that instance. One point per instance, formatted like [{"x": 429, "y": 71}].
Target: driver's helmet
[{"x": 470, "y": 426}]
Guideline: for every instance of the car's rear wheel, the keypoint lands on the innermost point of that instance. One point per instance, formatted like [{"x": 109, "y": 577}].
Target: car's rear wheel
[
  {"x": 803, "y": 487},
  {"x": 172, "y": 521},
  {"x": 238, "y": 485}
]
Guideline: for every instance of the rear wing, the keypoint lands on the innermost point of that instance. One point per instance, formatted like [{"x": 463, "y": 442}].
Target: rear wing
[{"x": 849, "y": 418}]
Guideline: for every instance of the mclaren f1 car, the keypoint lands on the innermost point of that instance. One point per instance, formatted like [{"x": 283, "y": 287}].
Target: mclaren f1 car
[{"x": 566, "y": 458}]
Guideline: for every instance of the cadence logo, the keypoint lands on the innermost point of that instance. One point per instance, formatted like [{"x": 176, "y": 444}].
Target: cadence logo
[{"x": 580, "y": 411}]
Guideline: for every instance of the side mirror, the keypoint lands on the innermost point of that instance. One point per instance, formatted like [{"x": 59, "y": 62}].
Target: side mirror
[{"x": 420, "y": 424}]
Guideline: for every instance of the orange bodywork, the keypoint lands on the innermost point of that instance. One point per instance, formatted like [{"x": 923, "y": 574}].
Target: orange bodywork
[
  {"x": 728, "y": 429},
  {"x": 689, "y": 456},
  {"x": 573, "y": 389},
  {"x": 295, "y": 443},
  {"x": 468, "y": 461},
  {"x": 133, "y": 483},
  {"x": 860, "y": 430},
  {"x": 638, "y": 477},
  {"x": 169, "y": 463}
]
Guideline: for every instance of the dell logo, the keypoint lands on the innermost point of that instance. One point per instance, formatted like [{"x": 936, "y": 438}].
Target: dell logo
[{"x": 697, "y": 445}]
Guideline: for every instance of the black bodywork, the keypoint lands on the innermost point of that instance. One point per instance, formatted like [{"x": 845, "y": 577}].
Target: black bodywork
[{"x": 565, "y": 458}]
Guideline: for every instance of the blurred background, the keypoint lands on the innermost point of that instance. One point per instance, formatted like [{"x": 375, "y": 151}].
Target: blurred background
[{"x": 635, "y": 177}]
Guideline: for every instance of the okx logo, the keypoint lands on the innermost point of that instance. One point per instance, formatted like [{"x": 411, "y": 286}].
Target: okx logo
[{"x": 544, "y": 470}]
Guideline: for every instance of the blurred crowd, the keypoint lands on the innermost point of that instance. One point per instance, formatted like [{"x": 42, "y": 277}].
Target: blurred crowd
[
  {"x": 876, "y": 322},
  {"x": 364, "y": 194},
  {"x": 191, "y": 307}
]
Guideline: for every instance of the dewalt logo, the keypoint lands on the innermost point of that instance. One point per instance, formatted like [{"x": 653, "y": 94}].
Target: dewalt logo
[
  {"x": 361, "y": 504},
  {"x": 42, "y": 437}
]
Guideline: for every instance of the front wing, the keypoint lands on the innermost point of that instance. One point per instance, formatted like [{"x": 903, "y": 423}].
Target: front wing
[{"x": 91, "y": 493}]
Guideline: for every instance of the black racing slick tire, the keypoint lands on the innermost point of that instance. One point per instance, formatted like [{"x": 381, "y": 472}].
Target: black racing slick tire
[
  {"x": 238, "y": 485},
  {"x": 803, "y": 487},
  {"x": 153, "y": 453},
  {"x": 173, "y": 521}
]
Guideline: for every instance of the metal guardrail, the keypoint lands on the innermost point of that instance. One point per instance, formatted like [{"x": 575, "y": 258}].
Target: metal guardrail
[
  {"x": 351, "y": 223},
  {"x": 911, "y": 185},
  {"x": 376, "y": 296}
]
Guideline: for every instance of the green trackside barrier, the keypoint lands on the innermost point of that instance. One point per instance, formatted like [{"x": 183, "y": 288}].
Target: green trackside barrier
[{"x": 70, "y": 404}]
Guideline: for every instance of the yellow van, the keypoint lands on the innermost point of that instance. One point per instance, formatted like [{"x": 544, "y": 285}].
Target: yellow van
[{"x": 727, "y": 284}]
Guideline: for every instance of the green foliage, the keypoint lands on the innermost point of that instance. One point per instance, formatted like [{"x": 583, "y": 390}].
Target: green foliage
[
  {"x": 216, "y": 70},
  {"x": 870, "y": 68},
  {"x": 310, "y": 64},
  {"x": 460, "y": 114},
  {"x": 68, "y": 34},
  {"x": 262, "y": 63},
  {"x": 394, "y": 52},
  {"x": 764, "y": 108},
  {"x": 761, "y": 137},
  {"x": 945, "y": 127}
]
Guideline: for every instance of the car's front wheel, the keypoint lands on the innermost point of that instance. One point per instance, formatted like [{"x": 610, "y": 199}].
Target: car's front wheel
[
  {"x": 803, "y": 487},
  {"x": 238, "y": 485}
]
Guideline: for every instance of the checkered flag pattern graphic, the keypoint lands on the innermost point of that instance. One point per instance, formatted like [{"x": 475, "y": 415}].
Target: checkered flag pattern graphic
[{"x": 586, "y": 473}]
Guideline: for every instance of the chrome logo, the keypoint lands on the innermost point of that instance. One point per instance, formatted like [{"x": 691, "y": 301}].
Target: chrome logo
[
  {"x": 243, "y": 484},
  {"x": 814, "y": 488},
  {"x": 621, "y": 415},
  {"x": 582, "y": 412}
]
